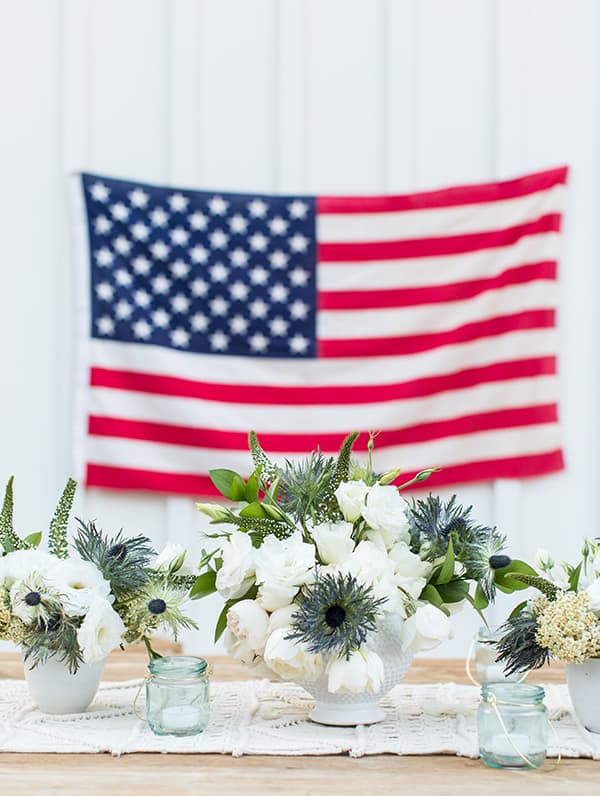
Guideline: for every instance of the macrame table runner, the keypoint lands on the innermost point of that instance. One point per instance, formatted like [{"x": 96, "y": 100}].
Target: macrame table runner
[{"x": 262, "y": 718}]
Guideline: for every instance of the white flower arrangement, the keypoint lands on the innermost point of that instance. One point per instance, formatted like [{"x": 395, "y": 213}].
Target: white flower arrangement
[
  {"x": 80, "y": 605},
  {"x": 322, "y": 550}
]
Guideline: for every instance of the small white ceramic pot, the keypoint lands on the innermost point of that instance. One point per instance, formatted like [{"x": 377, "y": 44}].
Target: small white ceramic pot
[
  {"x": 583, "y": 680},
  {"x": 55, "y": 690},
  {"x": 346, "y": 710}
]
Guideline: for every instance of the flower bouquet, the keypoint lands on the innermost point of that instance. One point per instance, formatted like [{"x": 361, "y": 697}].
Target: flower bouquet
[
  {"x": 562, "y": 622},
  {"x": 68, "y": 609},
  {"x": 332, "y": 579}
]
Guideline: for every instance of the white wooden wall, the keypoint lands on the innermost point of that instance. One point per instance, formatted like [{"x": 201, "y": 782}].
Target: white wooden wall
[{"x": 290, "y": 95}]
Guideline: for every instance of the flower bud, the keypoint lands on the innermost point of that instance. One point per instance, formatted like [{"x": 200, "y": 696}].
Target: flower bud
[
  {"x": 214, "y": 511},
  {"x": 543, "y": 560}
]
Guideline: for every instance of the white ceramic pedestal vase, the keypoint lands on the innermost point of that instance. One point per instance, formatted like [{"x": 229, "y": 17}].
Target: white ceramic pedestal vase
[
  {"x": 55, "y": 690},
  {"x": 583, "y": 680},
  {"x": 347, "y": 710}
]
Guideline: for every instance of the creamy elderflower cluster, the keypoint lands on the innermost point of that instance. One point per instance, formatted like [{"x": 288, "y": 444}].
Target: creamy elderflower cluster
[{"x": 567, "y": 626}]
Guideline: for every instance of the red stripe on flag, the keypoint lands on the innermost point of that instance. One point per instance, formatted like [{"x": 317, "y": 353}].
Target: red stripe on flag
[
  {"x": 172, "y": 386},
  {"x": 413, "y": 344},
  {"x": 446, "y": 197},
  {"x": 489, "y": 470},
  {"x": 99, "y": 475},
  {"x": 455, "y": 291},
  {"x": 218, "y": 439},
  {"x": 434, "y": 247}
]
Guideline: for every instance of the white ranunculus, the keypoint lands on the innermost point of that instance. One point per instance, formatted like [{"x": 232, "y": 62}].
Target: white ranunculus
[
  {"x": 79, "y": 583},
  {"x": 593, "y": 591},
  {"x": 237, "y": 572},
  {"x": 22, "y": 564},
  {"x": 249, "y": 622},
  {"x": 334, "y": 541},
  {"x": 363, "y": 672},
  {"x": 171, "y": 559},
  {"x": 282, "y": 566},
  {"x": 425, "y": 629},
  {"x": 101, "y": 631},
  {"x": 290, "y": 659},
  {"x": 282, "y": 617},
  {"x": 385, "y": 512},
  {"x": 351, "y": 499}
]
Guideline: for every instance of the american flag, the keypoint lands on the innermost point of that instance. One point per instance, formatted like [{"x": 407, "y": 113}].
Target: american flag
[{"x": 428, "y": 317}]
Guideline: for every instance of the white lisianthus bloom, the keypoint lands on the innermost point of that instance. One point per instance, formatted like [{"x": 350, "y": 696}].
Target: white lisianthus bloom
[
  {"x": 425, "y": 629},
  {"x": 385, "y": 512},
  {"x": 363, "y": 672},
  {"x": 282, "y": 566},
  {"x": 79, "y": 583},
  {"x": 334, "y": 541},
  {"x": 249, "y": 622},
  {"x": 23, "y": 564},
  {"x": 593, "y": 591},
  {"x": 237, "y": 572},
  {"x": 411, "y": 572},
  {"x": 351, "y": 499},
  {"x": 100, "y": 632},
  {"x": 291, "y": 660},
  {"x": 282, "y": 617},
  {"x": 171, "y": 559},
  {"x": 371, "y": 566}
]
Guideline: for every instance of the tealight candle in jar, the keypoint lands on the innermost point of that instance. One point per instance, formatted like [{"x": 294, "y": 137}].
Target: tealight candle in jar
[
  {"x": 177, "y": 692},
  {"x": 512, "y": 725}
]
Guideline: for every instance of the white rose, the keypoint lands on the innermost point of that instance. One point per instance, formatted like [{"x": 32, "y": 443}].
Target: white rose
[
  {"x": 171, "y": 559},
  {"x": 237, "y": 572},
  {"x": 248, "y": 622},
  {"x": 425, "y": 629},
  {"x": 79, "y": 583},
  {"x": 351, "y": 499},
  {"x": 282, "y": 566},
  {"x": 100, "y": 632},
  {"x": 362, "y": 672},
  {"x": 386, "y": 514},
  {"x": 290, "y": 659},
  {"x": 334, "y": 541},
  {"x": 593, "y": 591},
  {"x": 282, "y": 617}
]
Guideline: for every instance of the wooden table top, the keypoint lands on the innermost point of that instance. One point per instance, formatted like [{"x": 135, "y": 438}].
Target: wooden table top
[{"x": 205, "y": 775}]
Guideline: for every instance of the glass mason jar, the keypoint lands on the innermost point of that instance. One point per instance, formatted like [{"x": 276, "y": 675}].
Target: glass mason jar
[
  {"x": 512, "y": 724},
  {"x": 485, "y": 653},
  {"x": 177, "y": 692}
]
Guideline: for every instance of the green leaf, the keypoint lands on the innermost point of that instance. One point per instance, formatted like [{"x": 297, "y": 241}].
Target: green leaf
[
  {"x": 253, "y": 510},
  {"x": 507, "y": 584},
  {"x": 205, "y": 584},
  {"x": 221, "y": 622},
  {"x": 432, "y": 595},
  {"x": 34, "y": 539},
  {"x": 517, "y": 609},
  {"x": 447, "y": 571},
  {"x": 480, "y": 601},
  {"x": 454, "y": 591},
  {"x": 251, "y": 491},
  {"x": 574, "y": 577},
  {"x": 229, "y": 483}
]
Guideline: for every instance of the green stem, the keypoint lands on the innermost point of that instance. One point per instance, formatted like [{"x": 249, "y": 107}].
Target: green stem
[{"x": 152, "y": 654}]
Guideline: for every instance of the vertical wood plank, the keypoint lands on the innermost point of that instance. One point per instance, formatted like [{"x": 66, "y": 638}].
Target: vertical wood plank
[{"x": 345, "y": 96}]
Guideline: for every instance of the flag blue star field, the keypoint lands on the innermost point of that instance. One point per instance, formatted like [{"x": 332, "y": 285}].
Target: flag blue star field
[{"x": 428, "y": 317}]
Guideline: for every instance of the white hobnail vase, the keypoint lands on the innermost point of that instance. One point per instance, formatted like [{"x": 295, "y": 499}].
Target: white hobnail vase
[
  {"x": 583, "y": 680},
  {"x": 347, "y": 710},
  {"x": 54, "y": 689}
]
